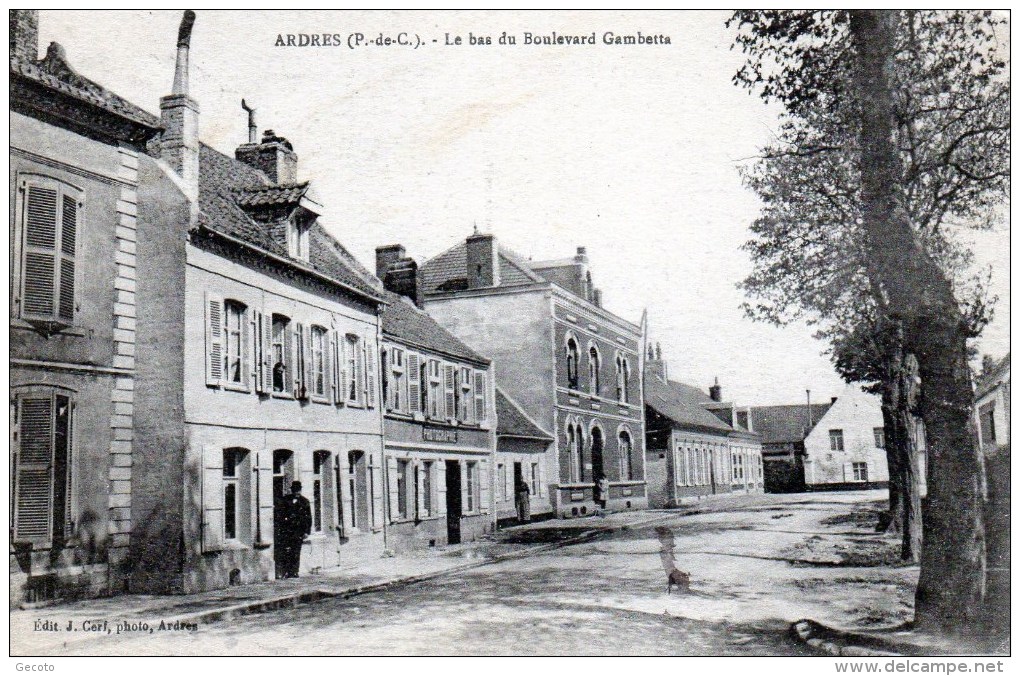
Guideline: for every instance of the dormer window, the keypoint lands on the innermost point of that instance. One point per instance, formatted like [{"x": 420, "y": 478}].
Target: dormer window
[{"x": 297, "y": 239}]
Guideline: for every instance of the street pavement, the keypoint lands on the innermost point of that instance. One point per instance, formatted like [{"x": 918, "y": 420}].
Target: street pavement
[{"x": 756, "y": 564}]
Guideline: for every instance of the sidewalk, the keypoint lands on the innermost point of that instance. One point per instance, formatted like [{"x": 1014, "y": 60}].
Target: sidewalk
[{"x": 30, "y": 633}]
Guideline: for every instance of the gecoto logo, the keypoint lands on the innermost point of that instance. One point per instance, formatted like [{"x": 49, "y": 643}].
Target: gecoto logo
[{"x": 21, "y": 666}]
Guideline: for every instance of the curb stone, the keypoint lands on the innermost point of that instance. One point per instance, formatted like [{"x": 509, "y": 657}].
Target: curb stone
[{"x": 839, "y": 643}]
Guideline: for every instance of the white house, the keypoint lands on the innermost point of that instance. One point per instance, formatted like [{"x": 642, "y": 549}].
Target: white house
[{"x": 846, "y": 448}]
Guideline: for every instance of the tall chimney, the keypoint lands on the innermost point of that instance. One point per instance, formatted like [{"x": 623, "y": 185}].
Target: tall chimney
[
  {"x": 715, "y": 391},
  {"x": 24, "y": 34},
  {"x": 274, "y": 155},
  {"x": 179, "y": 115},
  {"x": 482, "y": 261},
  {"x": 253, "y": 133},
  {"x": 386, "y": 256}
]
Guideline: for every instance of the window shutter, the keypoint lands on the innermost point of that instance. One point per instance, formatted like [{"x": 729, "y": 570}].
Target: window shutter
[
  {"x": 483, "y": 487},
  {"x": 40, "y": 251},
  {"x": 450, "y": 373},
  {"x": 307, "y": 373},
  {"x": 68, "y": 235},
  {"x": 419, "y": 492},
  {"x": 265, "y": 484},
  {"x": 378, "y": 497},
  {"x": 248, "y": 370},
  {"x": 464, "y": 483},
  {"x": 414, "y": 383},
  {"x": 212, "y": 499},
  {"x": 848, "y": 472},
  {"x": 289, "y": 360},
  {"x": 258, "y": 350},
  {"x": 267, "y": 351},
  {"x": 480, "y": 391},
  {"x": 340, "y": 377},
  {"x": 327, "y": 364},
  {"x": 391, "y": 482},
  {"x": 370, "y": 364},
  {"x": 440, "y": 481},
  {"x": 213, "y": 339},
  {"x": 33, "y": 502}
]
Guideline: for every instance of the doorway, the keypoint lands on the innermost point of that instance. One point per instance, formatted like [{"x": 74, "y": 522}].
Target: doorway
[
  {"x": 283, "y": 475},
  {"x": 518, "y": 478},
  {"x": 453, "y": 502},
  {"x": 598, "y": 472}
]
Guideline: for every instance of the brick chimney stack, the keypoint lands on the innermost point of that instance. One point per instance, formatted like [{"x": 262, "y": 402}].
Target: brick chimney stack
[
  {"x": 179, "y": 115},
  {"x": 25, "y": 34},
  {"x": 482, "y": 261},
  {"x": 274, "y": 156},
  {"x": 399, "y": 274}
]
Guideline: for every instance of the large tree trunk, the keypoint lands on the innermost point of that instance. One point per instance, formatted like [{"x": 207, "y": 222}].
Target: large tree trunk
[
  {"x": 898, "y": 406},
  {"x": 951, "y": 588}
]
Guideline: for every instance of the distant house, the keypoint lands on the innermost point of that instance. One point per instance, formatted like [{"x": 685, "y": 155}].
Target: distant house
[
  {"x": 521, "y": 446},
  {"x": 690, "y": 450},
  {"x": 846, "y": 448},
  {"x": 991, "y": 405},
  {"x": 783, "y": 430}
]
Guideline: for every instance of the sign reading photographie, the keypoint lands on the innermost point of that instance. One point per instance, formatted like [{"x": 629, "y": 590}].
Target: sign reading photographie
[{"x": 441, "y": 435}]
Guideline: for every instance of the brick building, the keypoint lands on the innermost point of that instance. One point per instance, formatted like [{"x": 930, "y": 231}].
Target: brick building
[
  {"x": 440, "y": 424},
  {"x": 74, "y": 157},
  {"x": 691, "y": 449},
  {"x": 257, "y": 343},
  {"x": 571, "y": 365}
]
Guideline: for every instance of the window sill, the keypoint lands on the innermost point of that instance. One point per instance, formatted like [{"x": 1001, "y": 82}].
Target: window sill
[
  {"x": 321, "y": 400},
  {"x": 233, "y": 387},
  {"x": 282, "y": 395}
]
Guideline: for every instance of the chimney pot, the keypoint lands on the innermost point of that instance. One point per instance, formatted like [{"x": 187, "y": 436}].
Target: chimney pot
[
  {"x": 715, "y": 391},
  {"x": 179, "y": 146},
  {"x": 385, "y": 257}
]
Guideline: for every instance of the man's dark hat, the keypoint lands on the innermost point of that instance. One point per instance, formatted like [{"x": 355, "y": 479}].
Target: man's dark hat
[{"x": 296, "y": 486}]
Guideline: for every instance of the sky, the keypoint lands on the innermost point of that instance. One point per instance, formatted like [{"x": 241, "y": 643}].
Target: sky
[{"x": 631, "y": 151}]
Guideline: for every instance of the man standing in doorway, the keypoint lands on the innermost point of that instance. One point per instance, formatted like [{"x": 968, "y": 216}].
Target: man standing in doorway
[
  {"x": 523, "y": 499},
  {"x": 295, "y": 524}
]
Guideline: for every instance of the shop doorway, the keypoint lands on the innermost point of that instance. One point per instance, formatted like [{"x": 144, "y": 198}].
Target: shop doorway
[{"x": 453, "y": 502}]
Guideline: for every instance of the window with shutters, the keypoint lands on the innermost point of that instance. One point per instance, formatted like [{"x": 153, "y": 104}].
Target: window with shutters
[
  {"x": 402, "y": 488},
  {"x": 320, "y": 363},
  {"x": 465, "y": 395},
  {"x": 434, "y": 391},
  {"x": 43, "y": 421},
  {"x": 236, "y": 494},
  {"x": 396, "y": 382},
  {"x": 280, "y": 354},
  {"x": 354, "y": 370},
  {"x": 471, "y": 488},
  {"x": 50, "y": 217}
]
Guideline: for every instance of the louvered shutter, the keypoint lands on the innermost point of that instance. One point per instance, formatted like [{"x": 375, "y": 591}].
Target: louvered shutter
[
  {"x": 414, "y": 383},
  {"x": 33, "y": 503},
  {"x": 480, "y": 390},
  {"x": 298, "y": 360},
  {"x": 40, "y": 251},
  {"x": 307, "y": 373},
  {"x": 213, "y": 339},
  {"x": 68, "y": 237},
  {"x": 378, "y": 497},
  {"x": 267, "y": 351},
  {"x": 289, "y": 359},
  {"x": 247, "y": 338},
  {"x": 370, "y": 366},
  {"x": 212, "y": 499},
  {"x": 258, "y": 351},
  {"x": 440, "y": 481},
  {"x": 340, "y": 372},
  {"x": 265, "y": 498},
  {"x": 394, "y": 492},
  {"x": 327, "y": 364},
  {"x": 419, "y": 490},
  {"x": 483, "y": 487},
  {"x": 450, "y": 383}
]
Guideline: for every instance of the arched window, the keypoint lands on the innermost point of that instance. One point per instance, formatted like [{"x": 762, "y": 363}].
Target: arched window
[
  {"x": 626, "y": 456},
  {"x": 594, "y": 366},
  {"x": 622, "y": 378},
  {"x": 572, "y": 360}
]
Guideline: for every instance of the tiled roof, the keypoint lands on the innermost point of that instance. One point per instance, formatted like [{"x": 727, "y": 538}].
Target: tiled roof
[
  {"x": 786, "y": 424},
  {"x": 271, "y": 195},
  {"x": 55, "y": 73},
  {"x": 449, "y": 267},
  {"x": 513, "y": 422},
  {"x": 682, "y": 403},
  {"x": 989, "y": 380},
  {"x": 223, "y": 178},
  {"x": 402, "y": 321}
]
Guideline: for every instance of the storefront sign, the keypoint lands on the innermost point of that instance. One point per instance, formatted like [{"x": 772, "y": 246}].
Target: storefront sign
[{"x": 439, "y": 434}]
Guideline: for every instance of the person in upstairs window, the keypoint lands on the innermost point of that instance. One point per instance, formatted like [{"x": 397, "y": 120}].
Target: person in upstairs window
[
  {"x": 294, "y": 513},
  {"x": 523, "y": 502},
  {"x": 278, "y": 377}
]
